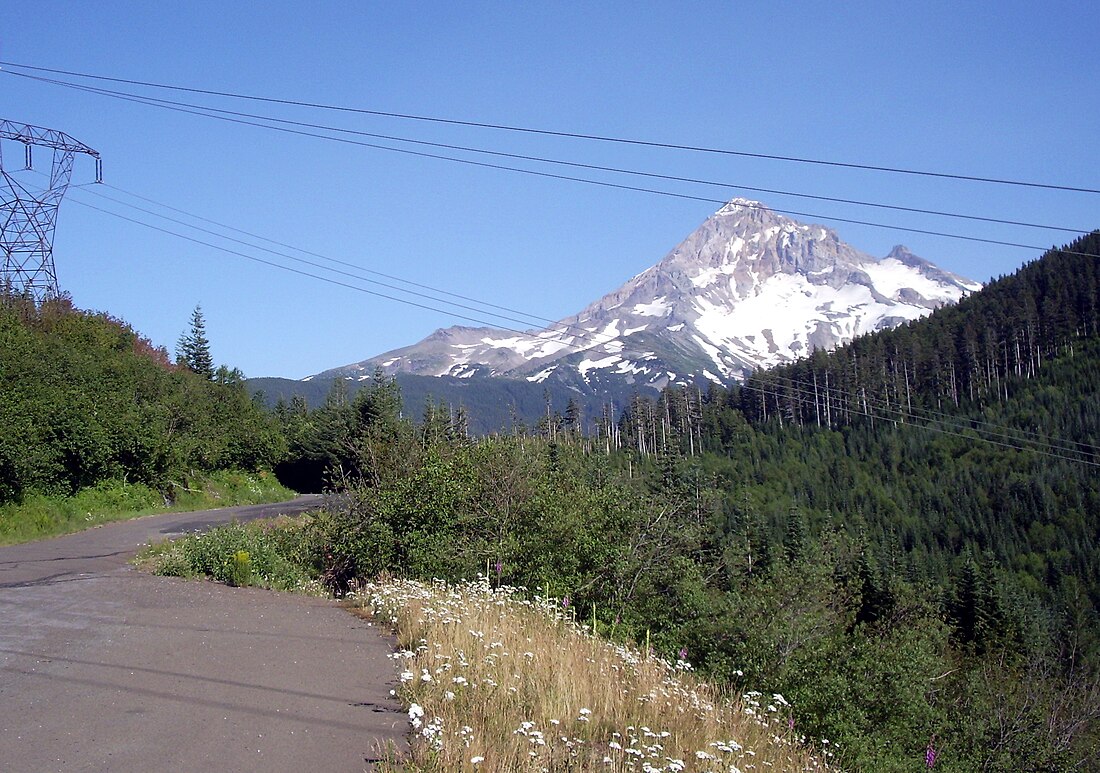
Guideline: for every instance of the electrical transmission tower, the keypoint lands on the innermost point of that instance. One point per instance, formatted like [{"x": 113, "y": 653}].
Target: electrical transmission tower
[{"x": 28, "y": 215}]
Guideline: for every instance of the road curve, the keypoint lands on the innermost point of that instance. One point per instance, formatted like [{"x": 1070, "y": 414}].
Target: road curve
[{"x": 104, "y": 668}]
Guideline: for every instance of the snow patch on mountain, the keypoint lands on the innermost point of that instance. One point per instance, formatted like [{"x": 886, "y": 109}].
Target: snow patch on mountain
[
  {"x": 542, "y": 375},
  {"x": 655, "y": 308}
]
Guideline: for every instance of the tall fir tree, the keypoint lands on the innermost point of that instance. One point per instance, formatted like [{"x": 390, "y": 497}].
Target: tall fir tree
[{"x": 193, "y": 347}]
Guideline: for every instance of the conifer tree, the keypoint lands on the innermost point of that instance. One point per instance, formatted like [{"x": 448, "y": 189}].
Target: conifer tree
[{"x": 193, "y": 347}]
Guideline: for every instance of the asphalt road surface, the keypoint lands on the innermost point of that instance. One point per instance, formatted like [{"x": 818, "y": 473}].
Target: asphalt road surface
[{"x": 104, "y": 668}]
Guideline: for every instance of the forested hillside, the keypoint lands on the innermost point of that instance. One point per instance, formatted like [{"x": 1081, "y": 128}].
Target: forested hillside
[
  {"x": 490, "y": 404},
  {"x": 85, "y": 400},
  {"x": 773, "y": 561},
  {"x": 960, "y": 455},
  {"x": 975, "y": 430},
  {"x": 901, "y": 537},
  {"x": 969, "y": 355}
]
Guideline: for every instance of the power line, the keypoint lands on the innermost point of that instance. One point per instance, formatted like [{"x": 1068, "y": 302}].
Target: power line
[
  {"x": 153, "y": 101},
  {"x": 589, "y": 339},
  {"x": 314, "y": 264},
  {"x": 290, "y": 268},
  {"x": 800, "y": 388},
  {"x": 579, "y": 332},
  {"x": 205, "y": 112},
  {"x": 564, "y": 134},
  {"x": 551, "y": 325},
  {"x": 337, "y": 261}
]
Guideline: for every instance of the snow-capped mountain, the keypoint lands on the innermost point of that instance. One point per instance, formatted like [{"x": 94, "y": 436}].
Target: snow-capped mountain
[{"x": 747, "y": 289}]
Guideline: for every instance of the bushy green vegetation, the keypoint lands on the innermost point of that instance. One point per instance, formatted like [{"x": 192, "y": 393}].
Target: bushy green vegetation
[
  {"x": 39, "y": 516},
  {"x": 270, "y": 554},
  {"x": 86, "y": 399},
  {"x": 95, "y": 421}
]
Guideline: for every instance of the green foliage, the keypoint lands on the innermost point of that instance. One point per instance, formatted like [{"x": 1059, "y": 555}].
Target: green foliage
[
  {"x": 1031, "y": 714},
  {"x": 239, "y": 573},
  {"x": 193, "y": 347},
  {"x": 268, "y": 555},
  {"x": 39, "y": 516},
  {"x": 86, "y": 400},
  {"x": 353, "y": 542},
  {"x": 841, "y": 567}
]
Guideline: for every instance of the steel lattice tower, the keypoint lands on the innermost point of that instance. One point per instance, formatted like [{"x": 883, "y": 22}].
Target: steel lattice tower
[{"x": 28, "y": 217}]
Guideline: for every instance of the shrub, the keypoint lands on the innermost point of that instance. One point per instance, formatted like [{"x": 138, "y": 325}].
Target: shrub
[
  {"x": 240, "y": 569},
  {"x": 265, "y": 554}
]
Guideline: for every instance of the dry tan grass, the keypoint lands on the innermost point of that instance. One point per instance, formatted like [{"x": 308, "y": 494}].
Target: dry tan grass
[{"x": 496, "y": 682}]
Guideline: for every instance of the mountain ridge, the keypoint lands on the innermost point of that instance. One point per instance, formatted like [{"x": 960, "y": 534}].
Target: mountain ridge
[{"x": 747, "y": 289}]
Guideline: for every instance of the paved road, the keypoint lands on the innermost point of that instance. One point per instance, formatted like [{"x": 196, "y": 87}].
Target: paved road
[{"x": 103, "y": 668}]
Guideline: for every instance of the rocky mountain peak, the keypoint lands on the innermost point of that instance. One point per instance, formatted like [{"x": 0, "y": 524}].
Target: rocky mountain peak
[{"x": 748, "y": 288}]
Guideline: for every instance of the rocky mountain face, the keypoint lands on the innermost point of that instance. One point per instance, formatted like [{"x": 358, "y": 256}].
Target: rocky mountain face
[{"x": 747, "y": 289}]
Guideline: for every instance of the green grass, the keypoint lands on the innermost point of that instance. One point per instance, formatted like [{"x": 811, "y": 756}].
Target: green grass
[{"x": 38, "y": 517}]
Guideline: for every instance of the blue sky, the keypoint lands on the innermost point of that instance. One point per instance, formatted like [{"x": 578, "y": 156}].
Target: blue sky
[{"x": 1005, "y": 90}]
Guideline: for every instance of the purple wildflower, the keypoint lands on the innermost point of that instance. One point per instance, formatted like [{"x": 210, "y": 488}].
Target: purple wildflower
[
  {"x": 565, "y": 602},
  {"x": 683, "y": 653},
  {"x": 930, "y": 753}
]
